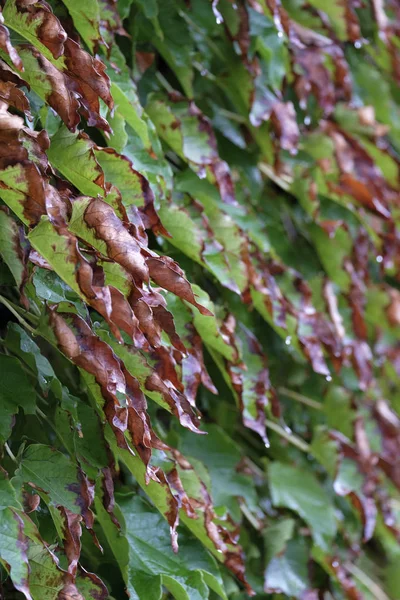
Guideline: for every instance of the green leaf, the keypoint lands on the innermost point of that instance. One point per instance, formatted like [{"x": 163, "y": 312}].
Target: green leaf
[
  {"x": 220, "y": 456},
  {"x": 276, "y": 537},
  {"x": 184, "y": 574},
  {"x": 72, "y": 154},
  {"x": 51, "y": 288},
  {"x": 300, "y": 491},
  {"x": 150, "y": 9},
  {"x": 171, "y": 38},
  {"x": 21, "y": 344},
  {"x": 46, "y": 580},
  {"x": 13, "y": 547},
  {"x": 15, "y": 390},
  {"x": 10, "y": 247},
  {"x": 8, "y": 497},
  {"x": 54, "y": 247},
  {"x": 52, "y": 472},
  {"x": 287, "y": 573},
  {"x": 86, "y": 20},
  {"x": 119, "y": 170},
  {"x": 15, "y": 189},
  {"x": 208, "y": 327},
  {"x": 31, "y": 26},
  {"x": 128, "y": 105}
]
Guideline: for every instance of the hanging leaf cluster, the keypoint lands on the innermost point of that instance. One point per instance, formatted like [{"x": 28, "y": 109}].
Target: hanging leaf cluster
[{"x": 200, "y": 299}]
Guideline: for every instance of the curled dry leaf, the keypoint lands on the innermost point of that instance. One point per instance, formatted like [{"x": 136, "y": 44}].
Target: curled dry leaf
[{"x": 167, "y": 274}]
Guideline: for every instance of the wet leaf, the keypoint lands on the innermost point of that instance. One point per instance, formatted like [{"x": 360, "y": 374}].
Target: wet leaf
[{"x": 153, "y": 559}]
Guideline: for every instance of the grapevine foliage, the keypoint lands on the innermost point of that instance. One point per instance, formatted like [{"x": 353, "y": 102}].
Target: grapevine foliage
[{"x": 200, "y": 299}]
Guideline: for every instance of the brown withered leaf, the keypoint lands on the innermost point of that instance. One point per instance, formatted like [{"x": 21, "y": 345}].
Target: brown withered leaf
[
  {"x": 89, "y": 79},
  {"x": 77, "y": 341},
  {"x": 61, "y": 98},
  {"x": 48, "y": 28},
  {"x": 194, "y": 370},
  {"x": 167, "y": 274},
  {"x": 250, "y": 378},
  {"x": 184, "y": 116},
  {"x": 344, "y": 578},
  {"x": 121, "y": 245},
  {"x": 70, "y": 592},
  {"x": 7, "y": 47},
  {"x": 357, "y": 269},
  {"x": 7, "y": 74},
  {"x": 72, "y": 532},
  {"x": 389, "y": 425},
  {"x": 315, "y": 332},
  {"x": 98, "y": 591},
  {"x": 178, "y": 403},
  {"x": 361, "y": 359},
  {"x": 333, "y": 309},
  {"x": 283, "y": 119},
  {"x": 23, "y": 166},
  {"x": 224, "y": 537},
  {"x": 310, "y": 52},
  {"x": 393, "y": 308},
  {"x": 359, "y": 175},
  {"x": 86, "y": 277},
  {"x": 21, "y": 145},
  {"x": 265, "y": 284},
  {"x": 79, "y": 73},
  {"x": 364, "y": 499},
  {"x": 38, "y": 260},
  {"x": 12, "y": 96}
]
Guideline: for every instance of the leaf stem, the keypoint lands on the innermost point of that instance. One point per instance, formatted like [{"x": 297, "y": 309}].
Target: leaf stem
[
  {"x": 292, "y": 439},
  {"x": 363, "y": 578},
  {"x": 23, "y": 312},
  {"x": 300, "y": 398},
  {"x": 269, "y": 172},
  {"x": 232, "y": 115},
  {"x": 17, "y": 315},
  {"x": 10, "y": 453},
  {"x": 249, "y": 516},
  {"x": 164, "y": 82}
]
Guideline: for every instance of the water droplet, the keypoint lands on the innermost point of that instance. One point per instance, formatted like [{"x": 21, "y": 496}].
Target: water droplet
[
  {"x": 335, "y": 564},
  {"x": 203, "y": 72},
  {"x": 267, "y": 444},
  {"x": 328, "y": 378},
  {"x": 379, "y": 258},
  {"x": 288, "y": 340},
  {"x": 357, "y": 44},
  {"x": 219, "y": 20},
  {"x": 280, "y": 34},
  {"x": 307, "y": 120}
]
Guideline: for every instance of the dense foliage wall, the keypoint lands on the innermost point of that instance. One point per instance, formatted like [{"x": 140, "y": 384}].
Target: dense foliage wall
[{"x": 199, "y": 235}]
